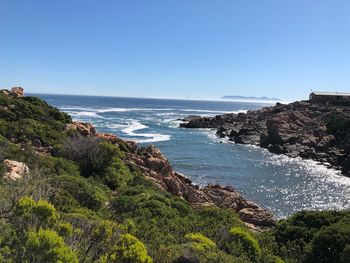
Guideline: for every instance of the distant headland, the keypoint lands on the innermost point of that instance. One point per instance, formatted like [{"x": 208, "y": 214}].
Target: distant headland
[{"x": 232, "y": 97}]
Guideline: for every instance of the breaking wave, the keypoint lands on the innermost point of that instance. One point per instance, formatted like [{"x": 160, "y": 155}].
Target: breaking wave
[
  {"x": 149, "y": 137},
  {"x": 91, "y": 110}
]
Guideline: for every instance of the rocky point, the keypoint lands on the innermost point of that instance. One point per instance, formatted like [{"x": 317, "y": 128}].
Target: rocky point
[{"x": 311, "y": 130}]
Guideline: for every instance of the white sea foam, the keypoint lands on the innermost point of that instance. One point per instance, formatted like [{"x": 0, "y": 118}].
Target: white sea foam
[
  {"x": 311, "y": 167},
  {"x": 171, "y": 122},
  {"x": 87, "y": 113},
  {"x": 150, "y": 137},
  {"x": 156, "y": 137},
  {"x": 217, "y": 111},
  {"x": 115, "y": 126},
  {"x": 106, "y": 110},
  {"x": 134, "y": 126},
  {"x": 84, "y": 114}
]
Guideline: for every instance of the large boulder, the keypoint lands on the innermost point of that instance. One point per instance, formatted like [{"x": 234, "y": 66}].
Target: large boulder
[
  {"x": 15, "y": 170},
  {"x": 14, "y": 92},
  {"x": 17, "y": 92},
  {"x": 257, "y": 216},
  {"x": 84, "y": 128}
]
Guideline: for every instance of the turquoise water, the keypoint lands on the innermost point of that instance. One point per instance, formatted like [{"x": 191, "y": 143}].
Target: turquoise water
[{"x": 281, "y": 184}]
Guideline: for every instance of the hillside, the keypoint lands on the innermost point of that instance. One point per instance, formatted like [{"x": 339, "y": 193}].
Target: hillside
[{"x": 72, "y": 194}]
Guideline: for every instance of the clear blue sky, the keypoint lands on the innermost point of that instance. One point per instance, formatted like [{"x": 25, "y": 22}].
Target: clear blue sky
[{"x": 176, "y": 48}]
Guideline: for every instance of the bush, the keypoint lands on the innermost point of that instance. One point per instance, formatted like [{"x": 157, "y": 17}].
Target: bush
[
  {"x": 47, "y": 246},
  {"x": 78, "y": 191},
  {"x": 199, "y": 242},
  {"x": 313, "y": 236},
  {"x": 98, "y": 159},
  {"x": 242, "y": 242},
  {"x": 329, "y": 243},
  {"x": 129, "y": 250},
  {"x": 36, "y": 214}
]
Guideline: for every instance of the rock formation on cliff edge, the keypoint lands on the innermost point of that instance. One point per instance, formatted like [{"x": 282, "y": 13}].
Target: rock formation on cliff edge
[
  {"x": 310, "y": 130},
  {"x": 157, "y": 169}
]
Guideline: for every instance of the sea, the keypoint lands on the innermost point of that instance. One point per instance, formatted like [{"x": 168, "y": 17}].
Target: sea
[{"x": 281, "y": 184}]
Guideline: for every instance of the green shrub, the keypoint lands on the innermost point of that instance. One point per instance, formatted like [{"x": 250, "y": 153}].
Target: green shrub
[
  {"x": 329, "y": 243},
  {"x": 345, "y": 254},
  {"x": 313, "y": 236},
  {"x": 64, "y": 229},
  {"x": 129, "y": 250},
  {"x": 44, "y": 246},
  {"x": 199, "y": 242},
  {"x": 77, "y": 190},
  {"x": 98, "y": 159},
  {"x": 58, "y": 166},
  {"x": 36, "y": 214},
  {"x": 242, "y": 242}
]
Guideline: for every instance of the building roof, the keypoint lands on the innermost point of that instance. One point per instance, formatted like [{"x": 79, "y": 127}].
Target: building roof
[{"x": 319, "y": 93}]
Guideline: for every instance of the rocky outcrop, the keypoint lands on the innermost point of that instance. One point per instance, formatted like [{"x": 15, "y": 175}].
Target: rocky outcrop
[
  {"x": 84, "y": 128},
  {"x": 306, "y": 129},
  {"x": 157, "y": 169},
  {"x": 15, "y": 170},
  {"x": 14, "y": 92},
  {"x": 17, "y": 92}
]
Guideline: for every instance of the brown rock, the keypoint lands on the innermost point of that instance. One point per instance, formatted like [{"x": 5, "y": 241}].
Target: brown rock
[
  {"x": 108, "y": 137},
  {"x": 326, "y": 142},
  {"x": 85, "y": 129},
  {"x": 15, "y": 170},
  {"x": 5, "y": 92},
  {"x": 17, "y": 92},
  {"x": 257, "y": 216},
  {"x": 157, "y": 169},
  {"x": 157, "y": 164}
]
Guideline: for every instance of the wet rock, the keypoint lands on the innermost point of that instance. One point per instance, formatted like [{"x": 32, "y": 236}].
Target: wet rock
[
  {"x": 190, "y": 118},
  {"x": 276, "y": 148},
  {"x": 157, "y": 169},
  {"x": 309, "y": 130}
]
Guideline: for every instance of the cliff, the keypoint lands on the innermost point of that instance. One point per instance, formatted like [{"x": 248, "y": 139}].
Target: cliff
[{"x": 310, "y": 130}]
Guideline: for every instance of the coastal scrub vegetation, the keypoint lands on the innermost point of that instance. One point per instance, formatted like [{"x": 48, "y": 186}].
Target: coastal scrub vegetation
[{"x": 81, "y": 202}]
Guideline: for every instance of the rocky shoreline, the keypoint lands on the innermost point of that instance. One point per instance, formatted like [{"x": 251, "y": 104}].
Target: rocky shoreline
[
  {"x": 310, "y": 130},
  {"x": 157, "y": 169}
]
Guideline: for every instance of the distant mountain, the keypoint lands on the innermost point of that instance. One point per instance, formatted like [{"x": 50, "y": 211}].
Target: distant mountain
[{"x": 247, "y": 98}]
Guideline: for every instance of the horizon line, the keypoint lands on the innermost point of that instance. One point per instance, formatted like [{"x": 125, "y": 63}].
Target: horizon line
[{"x": 165, "y": 98}]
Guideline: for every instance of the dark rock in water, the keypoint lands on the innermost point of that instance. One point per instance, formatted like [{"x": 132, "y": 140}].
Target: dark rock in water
[
  {"x": 190, "y": 118},
  {"x": 307, "y": 129},
  {"x": 275, "y": 148}
]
